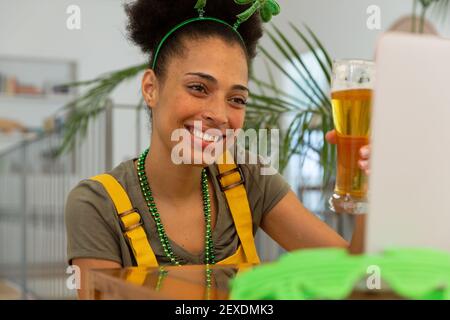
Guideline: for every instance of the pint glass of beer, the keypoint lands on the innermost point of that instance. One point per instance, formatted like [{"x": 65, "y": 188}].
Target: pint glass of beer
[{"x": 351, "y": 94}]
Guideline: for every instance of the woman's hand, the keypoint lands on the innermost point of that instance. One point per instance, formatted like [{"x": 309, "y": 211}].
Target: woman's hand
[{"x": 364, "y": 152}]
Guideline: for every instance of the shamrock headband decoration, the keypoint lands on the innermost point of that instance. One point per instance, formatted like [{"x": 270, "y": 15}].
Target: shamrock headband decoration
[{"x": 266, "y": 8}]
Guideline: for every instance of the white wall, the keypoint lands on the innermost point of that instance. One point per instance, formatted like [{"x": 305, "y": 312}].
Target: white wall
[{"x": 38, "y": 28}]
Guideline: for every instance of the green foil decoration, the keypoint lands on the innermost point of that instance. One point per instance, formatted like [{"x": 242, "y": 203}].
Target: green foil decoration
[{"x": 331, "y": 273}]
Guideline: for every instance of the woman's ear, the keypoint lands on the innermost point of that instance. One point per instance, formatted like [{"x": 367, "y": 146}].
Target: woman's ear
[{"x": 150, "y": 88}]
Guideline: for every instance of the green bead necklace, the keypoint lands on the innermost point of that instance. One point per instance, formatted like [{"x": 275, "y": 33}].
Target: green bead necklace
[{"x": 147, "y": 193}]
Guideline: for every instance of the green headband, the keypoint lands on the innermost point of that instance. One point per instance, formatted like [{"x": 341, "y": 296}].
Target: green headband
[{"x": 267, "y": 9}]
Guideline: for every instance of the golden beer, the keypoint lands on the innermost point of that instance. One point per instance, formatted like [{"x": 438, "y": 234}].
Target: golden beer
[
  {"x": 351, "y": 114},
  {"x": 351, "y": 96}
]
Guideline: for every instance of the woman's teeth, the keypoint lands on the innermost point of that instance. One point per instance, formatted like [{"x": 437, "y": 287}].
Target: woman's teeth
[{"x": 204, "y": 136}]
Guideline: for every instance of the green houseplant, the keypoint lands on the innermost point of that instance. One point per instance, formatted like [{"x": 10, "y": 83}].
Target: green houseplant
[{"x": 439, "y": 7}]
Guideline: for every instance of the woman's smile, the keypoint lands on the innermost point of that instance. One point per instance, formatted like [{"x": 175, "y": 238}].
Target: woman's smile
[{"x": 203, "y": 137}]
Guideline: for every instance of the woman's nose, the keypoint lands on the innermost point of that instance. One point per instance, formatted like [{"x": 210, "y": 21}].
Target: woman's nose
[{"x": 216, "y": 115}]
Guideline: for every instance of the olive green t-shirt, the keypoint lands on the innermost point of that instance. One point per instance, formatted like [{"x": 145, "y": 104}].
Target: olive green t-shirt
[{"x": 93, "y": 229}]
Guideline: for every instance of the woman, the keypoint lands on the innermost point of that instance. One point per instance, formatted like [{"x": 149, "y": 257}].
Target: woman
[{"x": 199, "y": 72}]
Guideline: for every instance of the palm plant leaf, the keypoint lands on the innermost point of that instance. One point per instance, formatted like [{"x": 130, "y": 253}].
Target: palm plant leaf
[
  {"x": 441, "y": 10},
  {"x": 294, "y": 59},
  {"x": 276, "y": 91},
  {"x": 286, "y": 73},
  {"x": 311, "y": 82},
  {"x": 310, "y": 112},
  {"x": 84, "y": 109},
  {"x": 325, "y": 66}
]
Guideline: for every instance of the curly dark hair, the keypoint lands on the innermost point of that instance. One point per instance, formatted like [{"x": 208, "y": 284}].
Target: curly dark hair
[{"x": 150, "y": 20}]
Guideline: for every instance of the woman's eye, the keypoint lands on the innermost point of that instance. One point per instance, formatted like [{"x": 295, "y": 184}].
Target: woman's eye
[
  {"x": 239, "y": 101},
  {"x": 197, "y": 87}
]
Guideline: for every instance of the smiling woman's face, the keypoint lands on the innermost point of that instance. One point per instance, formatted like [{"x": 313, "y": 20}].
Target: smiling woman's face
[{"x": 208, "y": 84}]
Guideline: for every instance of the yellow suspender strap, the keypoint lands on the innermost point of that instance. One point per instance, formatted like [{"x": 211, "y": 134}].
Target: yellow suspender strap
[
  {"x": 130, "y": 219},
  {"x": 136, "y": 276},
  {"x": 231, "y": 180}
]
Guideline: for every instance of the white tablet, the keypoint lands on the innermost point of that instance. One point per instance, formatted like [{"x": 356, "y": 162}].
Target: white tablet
[{"x": 409, "y": 186}]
